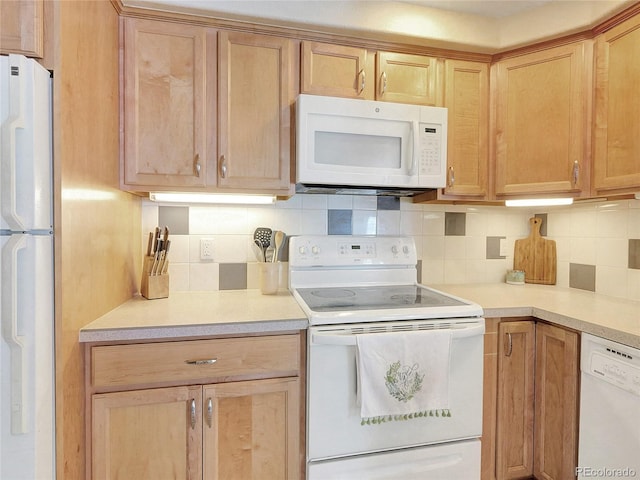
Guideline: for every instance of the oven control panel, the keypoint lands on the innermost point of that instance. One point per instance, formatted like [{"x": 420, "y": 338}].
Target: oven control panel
[{"x": 343, "y": 250}]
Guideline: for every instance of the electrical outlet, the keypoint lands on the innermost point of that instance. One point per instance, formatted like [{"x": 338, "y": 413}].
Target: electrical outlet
[{"x": 206, "y": 249}]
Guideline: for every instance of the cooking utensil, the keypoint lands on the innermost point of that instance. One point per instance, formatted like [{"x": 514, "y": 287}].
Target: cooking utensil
[
  {"x": 257, "y": 249},
  {"x": 263, "y": 235},
  {"x": 150, "y": 244},
  {"x": 536, "y": 256},
  {"x": 278, "y": 240},
  {"x": 165, "y": 262}
]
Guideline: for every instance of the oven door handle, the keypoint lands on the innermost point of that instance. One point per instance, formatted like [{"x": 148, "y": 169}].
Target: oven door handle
[{"x": 349, "y": 339}]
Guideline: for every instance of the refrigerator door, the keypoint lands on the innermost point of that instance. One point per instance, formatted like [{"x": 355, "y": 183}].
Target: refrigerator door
[
  {"x": 25, "y": 154},
  {"x": 26, "y": 357}
]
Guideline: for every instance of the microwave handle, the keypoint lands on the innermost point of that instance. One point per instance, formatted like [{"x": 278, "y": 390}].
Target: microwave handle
[{"x": 414, "y": 147}]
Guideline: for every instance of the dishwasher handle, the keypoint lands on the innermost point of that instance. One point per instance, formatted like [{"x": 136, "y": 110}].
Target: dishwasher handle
[{"x": 349, "y": 339}]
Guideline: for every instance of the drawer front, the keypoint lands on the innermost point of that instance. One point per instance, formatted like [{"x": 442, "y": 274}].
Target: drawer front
[{"x": 195, "y": 361}]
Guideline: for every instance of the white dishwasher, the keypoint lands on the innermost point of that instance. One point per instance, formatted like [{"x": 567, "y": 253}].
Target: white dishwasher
[{"x": 609, "y": 445}]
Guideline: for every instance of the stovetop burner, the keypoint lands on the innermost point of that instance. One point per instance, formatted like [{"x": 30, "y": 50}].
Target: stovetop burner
[
  {"x": 374, "y": 298},
  {"x": 333, "y": 293}
]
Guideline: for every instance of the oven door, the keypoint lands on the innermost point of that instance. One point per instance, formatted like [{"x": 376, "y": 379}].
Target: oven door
[{"x": 333, "y": 417}]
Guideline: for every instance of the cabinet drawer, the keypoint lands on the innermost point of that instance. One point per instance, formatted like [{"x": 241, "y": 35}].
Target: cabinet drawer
[{"x": 195, "y": 361}]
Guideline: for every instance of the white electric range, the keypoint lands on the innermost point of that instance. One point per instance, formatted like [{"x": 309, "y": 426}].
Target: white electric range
[{"x": 350, "y": 286}]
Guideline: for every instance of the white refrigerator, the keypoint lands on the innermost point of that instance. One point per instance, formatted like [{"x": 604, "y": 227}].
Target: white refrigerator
[{"x": 26, "y": 272}]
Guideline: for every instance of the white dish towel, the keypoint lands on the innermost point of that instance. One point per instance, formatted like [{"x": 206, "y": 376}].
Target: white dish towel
[{"x": 403, "y": 375}]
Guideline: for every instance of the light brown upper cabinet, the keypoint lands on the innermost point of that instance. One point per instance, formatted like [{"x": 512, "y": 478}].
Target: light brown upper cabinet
[
  {"x": 406, "y": 78},
  {"x": 167, "y": 73},
  {"x": 354, "y": 72},
  {"x": 466, "y": 96},
  {"x": 187, "y": 128},
  {"x": 337, "y": 70},
  {"x": 541, "y": 121},
  {"x": 256, "y": 95},
  {"x": 22, "y": 27},
  {"x": 616, "y": 160}
]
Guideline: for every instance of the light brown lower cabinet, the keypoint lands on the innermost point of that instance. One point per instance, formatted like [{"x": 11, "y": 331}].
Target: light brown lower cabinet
[
  {"x": 233, "y": 429},
  {"x": 535, "y": 405}
]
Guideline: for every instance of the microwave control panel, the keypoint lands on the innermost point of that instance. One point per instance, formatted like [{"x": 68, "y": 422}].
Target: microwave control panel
[{"x": 430, "y": 140}]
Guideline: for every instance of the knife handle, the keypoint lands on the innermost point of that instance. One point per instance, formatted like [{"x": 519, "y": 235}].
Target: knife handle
[{"x": 150, "y": 244}]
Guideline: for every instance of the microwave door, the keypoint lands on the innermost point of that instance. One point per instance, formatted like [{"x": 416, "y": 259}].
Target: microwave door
[{"x": 358, "y": 151}]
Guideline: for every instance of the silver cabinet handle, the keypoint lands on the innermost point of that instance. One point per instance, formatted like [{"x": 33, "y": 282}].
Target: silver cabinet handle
[
  {"x": 452, "y": 177},
  {"x": 223, "y": 167},
  {"x": 509, "y": 344},
  {"x": 383, "y": 83},
  {"x": 363, "y": 81},
  {"x": 576, "y": 172},
  {"x": 193, "y": 413},
  {"x": 207, "y": 361},
  {"x": 196, "y": 164},
  {"x": 210, "y": 412}
]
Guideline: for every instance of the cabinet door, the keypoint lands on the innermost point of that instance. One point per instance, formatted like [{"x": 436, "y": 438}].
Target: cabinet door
[
  {"x": 251, "y": 430},
  {"x": 514, "y": 432},
  {"x": 556, "y": 410},
  {"x": 489, "y": 400},
  {"x": 617, "y": 109},
  {"x": 466, "y": 95},
  {"x": 22, "y": 27},
  {"x": 406, "y": 78},
  {"x": 255, "y": 99},
  {"x": 337, "y": 70},
  {"x": 541, "y": 121},
  {"x": 165, "y": 104},
  {"x": 145, "y": 434}
]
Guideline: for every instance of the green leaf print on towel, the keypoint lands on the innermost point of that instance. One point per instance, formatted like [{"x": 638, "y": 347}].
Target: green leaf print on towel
[{"x": 403, "y": 382}]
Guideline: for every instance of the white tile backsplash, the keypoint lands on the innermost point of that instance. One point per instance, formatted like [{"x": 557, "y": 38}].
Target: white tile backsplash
[{"x": 591, "y": 233}]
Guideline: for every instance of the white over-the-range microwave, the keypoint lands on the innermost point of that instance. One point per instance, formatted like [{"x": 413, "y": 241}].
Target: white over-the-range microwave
[{"x": 368, "y": 147}]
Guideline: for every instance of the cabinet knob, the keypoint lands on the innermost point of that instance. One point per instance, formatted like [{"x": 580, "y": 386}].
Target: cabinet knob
[
  {"x": 192, "y": 412},
  {"x": 196, "y": 165},
  {"x": 509, "y": 344},
  {"x": 210, "y": 412},
  {"x": 576, "y": 172},
  {"x": 363, "y": 80},
  {"x": 383, "y": 83},
  {"x": 452, "y": 177},
  {"x": 208, "y": 361},
  {"x": 223, "y": 167}
]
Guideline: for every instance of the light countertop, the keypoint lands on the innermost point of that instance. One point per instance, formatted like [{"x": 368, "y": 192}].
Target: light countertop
[
  {"x": 200, "y": 314},
  {"x": 613, "y": 318}
]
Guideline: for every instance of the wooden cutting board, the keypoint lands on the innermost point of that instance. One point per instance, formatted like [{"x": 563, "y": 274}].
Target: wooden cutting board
[{"x": 536, "y": 256}]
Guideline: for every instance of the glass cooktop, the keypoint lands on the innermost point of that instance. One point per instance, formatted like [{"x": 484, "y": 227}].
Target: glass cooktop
[{"x": 328, "y": 299}]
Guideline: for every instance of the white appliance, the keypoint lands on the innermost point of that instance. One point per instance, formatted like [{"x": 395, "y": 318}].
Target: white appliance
[
  {"x": 351, "y": 286},
  {"x": 609, "y": 443},
  {"x": 367, "y": 147},
  {"x": 26, "y": 266}
]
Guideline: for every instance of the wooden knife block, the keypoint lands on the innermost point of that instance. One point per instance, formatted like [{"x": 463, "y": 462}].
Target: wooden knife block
[{"x": 153, "y": 286}]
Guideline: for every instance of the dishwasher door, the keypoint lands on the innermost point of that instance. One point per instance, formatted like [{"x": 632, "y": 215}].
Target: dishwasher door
[{"x": 609, "y": 445}]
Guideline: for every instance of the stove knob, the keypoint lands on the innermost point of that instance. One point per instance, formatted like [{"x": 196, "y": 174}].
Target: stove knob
[
  {"x": 394, "y": 249},
  {"x": 405, "y": 250},
  {"x": 315, "y": 250},
  {"x": 302, "y": 250}
]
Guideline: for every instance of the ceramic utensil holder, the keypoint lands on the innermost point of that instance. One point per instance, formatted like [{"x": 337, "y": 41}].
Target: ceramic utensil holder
[
  {"x": 269, "y": 277},
  {"x": 154, "y": 283}
]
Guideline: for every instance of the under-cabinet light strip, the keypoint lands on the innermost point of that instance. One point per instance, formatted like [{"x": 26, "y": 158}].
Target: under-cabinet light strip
[
  {"x": 538, "y": 202},
  {"x": 224, "y": 198}
]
